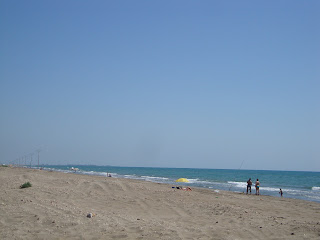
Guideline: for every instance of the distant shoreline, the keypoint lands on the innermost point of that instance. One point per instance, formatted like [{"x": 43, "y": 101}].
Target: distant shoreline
[
  {"x": 222, "y": 179},
  {"x": 236, "y": 169}
]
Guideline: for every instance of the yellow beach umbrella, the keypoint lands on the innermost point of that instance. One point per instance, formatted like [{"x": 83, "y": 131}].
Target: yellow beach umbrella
[{"x": 182, "y": 180}]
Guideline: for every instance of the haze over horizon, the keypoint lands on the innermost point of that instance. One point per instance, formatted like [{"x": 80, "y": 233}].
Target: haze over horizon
[{"x": 185, "y": 84}]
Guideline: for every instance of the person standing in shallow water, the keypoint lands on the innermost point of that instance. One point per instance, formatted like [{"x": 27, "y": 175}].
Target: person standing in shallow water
[
  {"x": 281, "y": 192},
  {"x": 249, "y": 184},
  {"x": 257, "y": 187}
]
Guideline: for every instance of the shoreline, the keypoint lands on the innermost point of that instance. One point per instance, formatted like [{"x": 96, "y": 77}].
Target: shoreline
[
  {"x": 270, "y": 188},
  {"x": 57, "y": 204}
]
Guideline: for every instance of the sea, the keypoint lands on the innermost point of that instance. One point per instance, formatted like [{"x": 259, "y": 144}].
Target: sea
[{"x": 294, "y": 184}]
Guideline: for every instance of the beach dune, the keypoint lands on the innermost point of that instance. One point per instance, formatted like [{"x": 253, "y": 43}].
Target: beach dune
[{"x": 57, "y": 205}]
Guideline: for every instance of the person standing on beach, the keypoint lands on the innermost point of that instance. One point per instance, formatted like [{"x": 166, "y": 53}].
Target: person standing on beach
[
  {"x": 249, "y": 184},
  {"x": 257, "y": 187}
]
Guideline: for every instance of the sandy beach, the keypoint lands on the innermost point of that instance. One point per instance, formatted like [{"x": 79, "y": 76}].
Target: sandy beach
[{"x": 57, "y": 205}]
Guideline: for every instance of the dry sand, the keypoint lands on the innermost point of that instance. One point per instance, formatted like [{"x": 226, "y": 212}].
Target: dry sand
[{"x": 57, "y": 204}]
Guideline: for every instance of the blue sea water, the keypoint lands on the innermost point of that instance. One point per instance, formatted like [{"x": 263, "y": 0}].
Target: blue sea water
[{"x": 295, "y": 184}]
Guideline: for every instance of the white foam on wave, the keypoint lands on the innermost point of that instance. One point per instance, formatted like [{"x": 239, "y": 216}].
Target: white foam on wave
[
  {"x": 315, "y": 188},
  {"x": 317, "y": 198},
  {"x": 238, "y": 184},
  {"x": 154, "y": 179},
  {"x": 161, "y": 178},
  {"x": 196, "y": 180},
  {"x": 57, "y": 170},
  {"x": 130, "y": 176},
  {"x": 273, "y": 189},
  {"x": 92, "y": 173},
  {"x": 207, "y": 184},
  {"x": 211, "y": 185}
]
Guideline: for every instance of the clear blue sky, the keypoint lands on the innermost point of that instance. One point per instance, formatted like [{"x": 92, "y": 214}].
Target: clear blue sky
[{"x": 205, "y": 84}]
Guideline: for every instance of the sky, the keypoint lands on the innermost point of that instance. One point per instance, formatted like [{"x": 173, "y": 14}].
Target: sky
[{"x": 190, "y": 84}]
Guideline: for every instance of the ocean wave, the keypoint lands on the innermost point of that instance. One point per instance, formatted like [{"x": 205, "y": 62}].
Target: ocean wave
[
  {"x": 129, "y": 176},
  {"x": 315, "y": 188},
  {"x": 314, "y": 197},
  {"x": 238, "y": 184},
  {"x": 92, "y": 173},
  {"x": 243, "y": 185},
  {"x": 271, "y": 189},
  {"x": 154, "y": 179},
  {"x": 161, "y": 178},
  {"x": 191, "y": 180}
]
